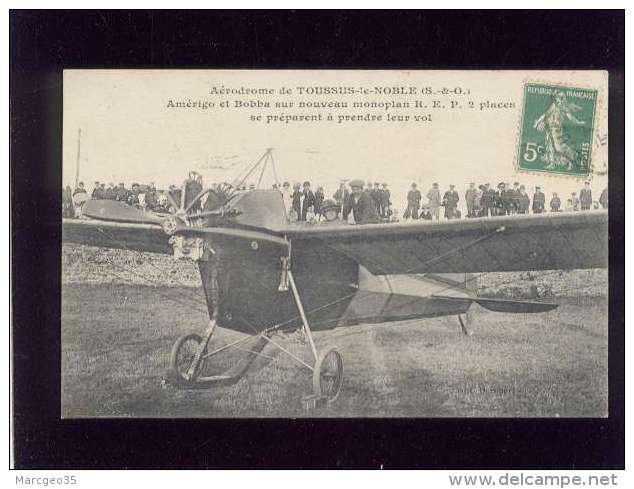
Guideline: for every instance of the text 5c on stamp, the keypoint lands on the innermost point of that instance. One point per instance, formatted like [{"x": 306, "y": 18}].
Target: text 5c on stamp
[{"x": 556, "y": 129}]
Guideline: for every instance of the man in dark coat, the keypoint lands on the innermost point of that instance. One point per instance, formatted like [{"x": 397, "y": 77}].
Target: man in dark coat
[
  {"x": 413, "y": 203},
  {"x": 505, "y": 200},
  {"x": 80, "y": 189},
  {"x": 539, "y": 201},
  {"x": 515, "y": 198},
  {"x": 585, "y": 197},
  {"x": 319, "y": 199},
  {"x": 523, "y": 202},
  {"x": 603, "y": 200},
  {"x": 494, "y": 197},
  {"x": 193, "y": 186},
  {"x": 111, "y": 192},
  {"x": 122, "y": 193},
  {"x": 96, "y": 192},
  {"x": 385, "y": 201},
  {"x": 68, "y": 210},
  {"x": 470, "y": 197},
  {"x": 450, "y": 201},
  {"x": 555, "y": 203},
  {"x": 376, "y": 195},
  {"x": 175, "y": 194},
  {"x": 133, "y": 196},
  {"x": 150, "y": 197},
  {"x": 302, "y": 201},
  {"x": 360, "y": 204},
  {"x": 341, "y": 195},
  {"x": 498, "y": 200},
  {"x": 488, "y": 201}
]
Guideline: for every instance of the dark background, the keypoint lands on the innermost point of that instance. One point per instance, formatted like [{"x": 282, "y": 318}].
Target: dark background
[{"x": 43, "y": 43}]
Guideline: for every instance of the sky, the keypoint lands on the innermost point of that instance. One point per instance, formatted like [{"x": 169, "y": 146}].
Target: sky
[{"x": 130, "y": 133}]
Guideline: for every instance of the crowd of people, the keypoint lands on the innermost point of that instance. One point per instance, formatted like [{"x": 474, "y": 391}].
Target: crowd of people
[
  {"x": 366, "y": 202},
  {"x": 484, "y": 201},
  {"x": 481, "y": 201},
  {"x": 143, "y": 196}
]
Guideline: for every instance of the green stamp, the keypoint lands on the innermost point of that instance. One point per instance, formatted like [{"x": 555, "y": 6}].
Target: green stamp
[{"x": 556, "y": 129}]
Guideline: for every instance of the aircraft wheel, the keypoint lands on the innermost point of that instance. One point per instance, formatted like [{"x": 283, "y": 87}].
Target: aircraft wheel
[
  {"x": 182, "y": 356},
  {"x": 328, "y": 374}
]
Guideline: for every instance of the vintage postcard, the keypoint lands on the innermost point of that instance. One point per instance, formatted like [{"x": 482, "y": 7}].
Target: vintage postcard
[{"x": 334, "y": 243}]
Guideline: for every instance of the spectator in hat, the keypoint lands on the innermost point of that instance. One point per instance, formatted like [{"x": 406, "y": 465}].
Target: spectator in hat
[
  {"x": 477, "y": 203},
  {"x": 68, "y": 209},
  {"x": 385, "y": 201},
  {"x": 501, "y": 200},
  {"x": 133, "y": 196},
  {"x": 413, "y": 203},
  {"x": 80, "y": 189},
  {"x": 302, "y": 200},
  {"x": 111, "y": 192},
  {"x": 319, "y": 198},
  {"x": 514, "y": 197},
  {"x": 450, "y": 201},
  {"x": 575, "y": 201},
  {"x": 376, "y": 196},
  {"x": 603, "y": 200},
  {"x": 470, "y": 198},
  {"x": 555, "y": 203},
  {"x": 341, "y": 194},
  {"x": 585, "y": 197},
  {"x": 296, "y": 200},
  {"x": 509, "y": 200},
  {"x": 79, "y": 198},
  {"x": 488, "y": 200},
  {"x": 150, "y": 196},
  {"x": 539, "y": 201},
  {"x": 96, "y": 191},
  {"x": 176, "y": 195},
  {"x": 287, "y": 196},
  {"x": 121, "y": 193},
  {"x": 329, "y": 210},
  {"x": 433, "y": 201},
  {"x": 360, "y": 204},
  {"x": 523, "y": 201}
]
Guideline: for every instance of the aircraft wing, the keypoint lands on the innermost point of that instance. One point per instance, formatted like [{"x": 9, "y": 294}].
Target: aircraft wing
[
  {"x": 112, "y": 224},
  {"x": 107, "y": 234},
  {"x": 551, "y": 241}
]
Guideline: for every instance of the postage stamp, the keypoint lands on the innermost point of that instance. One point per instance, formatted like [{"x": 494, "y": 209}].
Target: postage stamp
[{"x": 557, "y": 129}]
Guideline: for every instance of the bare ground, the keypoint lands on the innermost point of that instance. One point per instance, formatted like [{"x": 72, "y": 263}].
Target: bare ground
[{"x": 116, "y": 340}]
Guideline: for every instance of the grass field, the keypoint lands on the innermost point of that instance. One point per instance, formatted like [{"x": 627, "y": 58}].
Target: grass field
[{"x": 116, "y": 340}]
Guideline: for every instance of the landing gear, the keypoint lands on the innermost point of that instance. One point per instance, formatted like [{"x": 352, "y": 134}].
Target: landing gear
[
  {"x": 463, "y": 319},
  {"x": 182, "y": 359},
  {"x": 189, "y": 366},
  {"x": 328, "y": 375},
  {"x": 328, "y": 366},
  {"x": 189, "y": 357}
]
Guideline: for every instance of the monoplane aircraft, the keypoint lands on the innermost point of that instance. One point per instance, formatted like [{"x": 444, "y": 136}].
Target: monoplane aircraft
[{"x": 262, "y": 275}]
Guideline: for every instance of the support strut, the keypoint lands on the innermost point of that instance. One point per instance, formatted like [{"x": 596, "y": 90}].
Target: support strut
[{"x": 298, "y": 302}]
